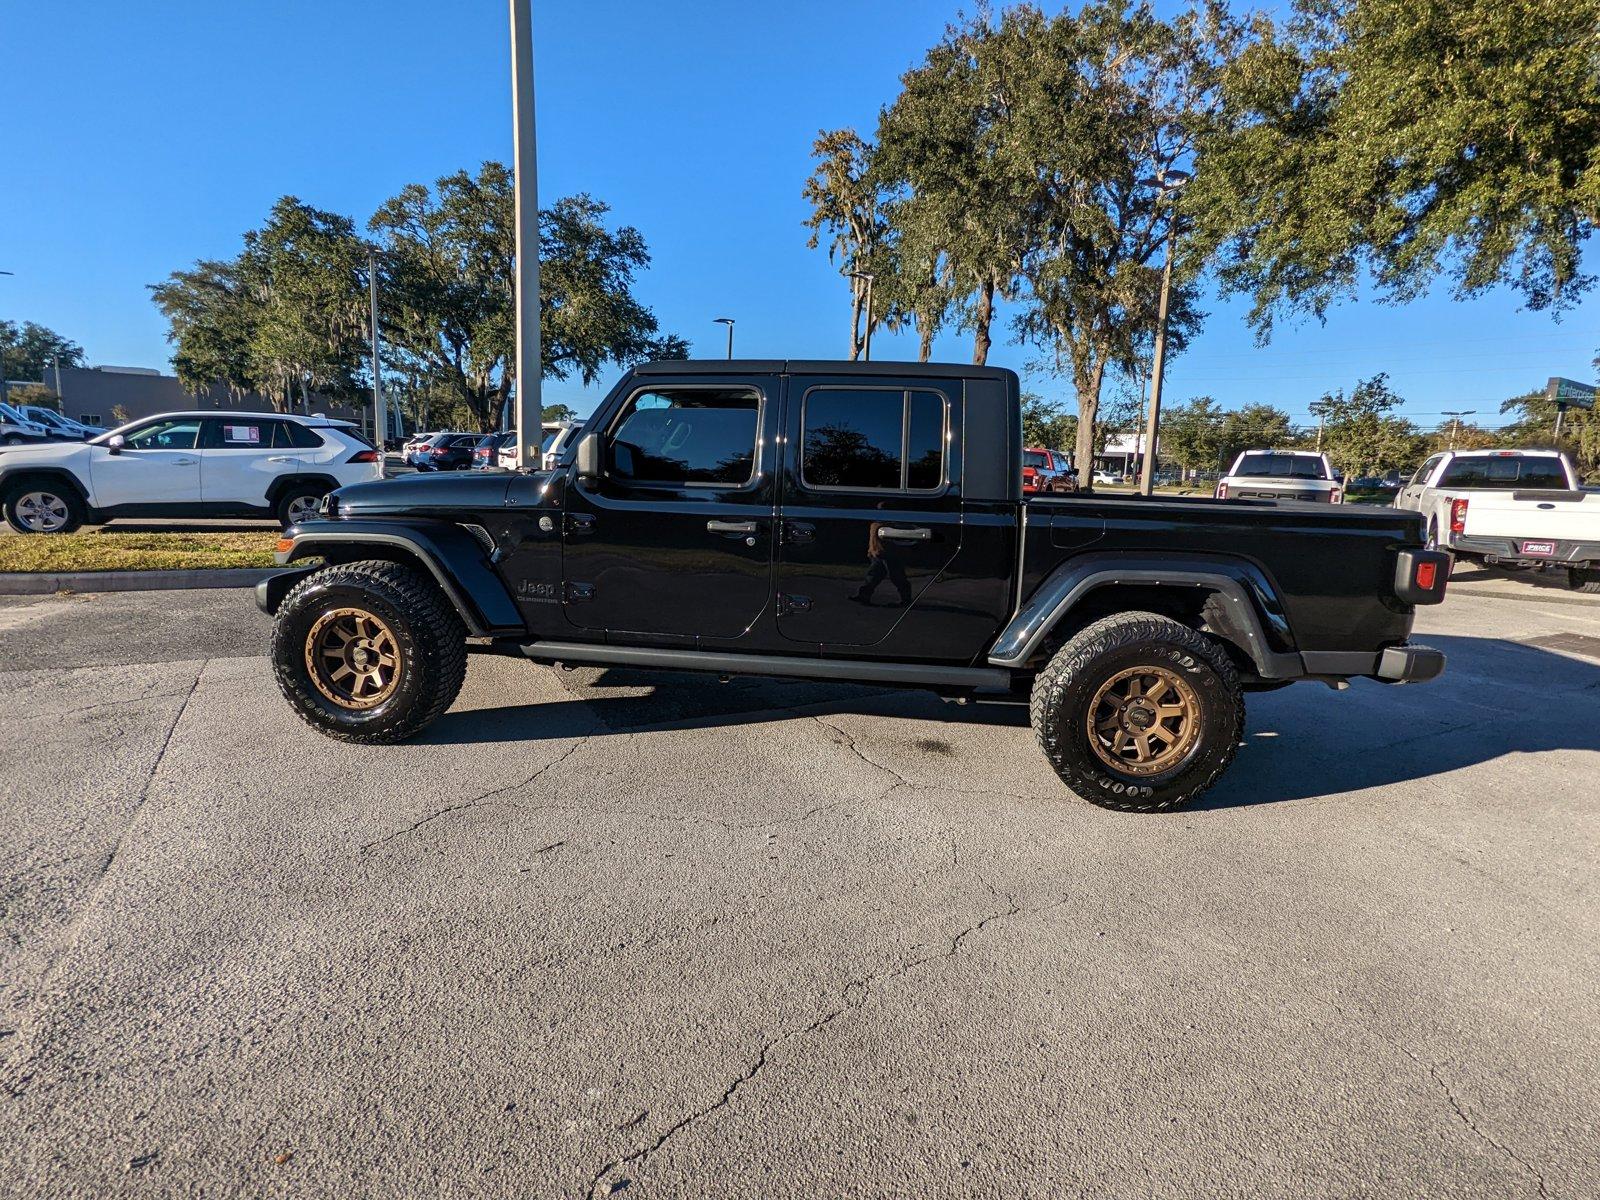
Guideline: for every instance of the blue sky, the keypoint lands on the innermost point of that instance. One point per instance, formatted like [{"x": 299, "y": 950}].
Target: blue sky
[{"x": 143, "y": 136}]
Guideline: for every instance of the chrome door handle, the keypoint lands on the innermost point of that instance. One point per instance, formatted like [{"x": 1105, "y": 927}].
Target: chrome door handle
[
  {"x": 184, "y": 462},
  {"x": 915, "y": 533},
  {"x": 280, "y": 458},
  {"x": 730, "y": 526}
]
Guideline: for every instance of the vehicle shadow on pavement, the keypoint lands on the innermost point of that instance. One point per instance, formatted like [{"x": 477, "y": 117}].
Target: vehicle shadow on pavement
[
  {"x": 623, "y": 700},
  {"x": 1495, "y": 698}
]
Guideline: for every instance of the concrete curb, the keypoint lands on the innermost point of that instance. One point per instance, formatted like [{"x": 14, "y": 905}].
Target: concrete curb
[{"x": 31, "y": 583}]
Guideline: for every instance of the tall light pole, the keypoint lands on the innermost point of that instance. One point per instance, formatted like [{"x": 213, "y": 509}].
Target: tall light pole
[
  {"x": 1169, "y": 182},
  {"x": 866, "y": 344},
  {"x": 5, "y": 392},
  {"x": 728, "y": 321},
  {"x": 1455, "y": 421},
  {"x": 380, "y": 415},
  {"x": 530, "y": 358}
]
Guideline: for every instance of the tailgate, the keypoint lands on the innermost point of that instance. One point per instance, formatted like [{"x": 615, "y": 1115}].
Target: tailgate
[{"x": 1545, "y": 516}]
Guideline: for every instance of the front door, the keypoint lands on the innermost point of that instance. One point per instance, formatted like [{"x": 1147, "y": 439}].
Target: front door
[
  {"x": 871, "y": 506},
  {"x": 157, "y": 465},
  {"x": 674, "y": 538}
]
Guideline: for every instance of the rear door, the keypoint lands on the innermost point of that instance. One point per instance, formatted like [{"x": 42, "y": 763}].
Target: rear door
[
  {"x": 870, "y": 510},
  {"x": 240, "y": 458},
  {"x": 674, "y": 538}
]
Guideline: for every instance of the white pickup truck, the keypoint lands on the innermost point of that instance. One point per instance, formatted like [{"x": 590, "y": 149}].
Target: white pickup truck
[{"x": 1514, "y": 508}]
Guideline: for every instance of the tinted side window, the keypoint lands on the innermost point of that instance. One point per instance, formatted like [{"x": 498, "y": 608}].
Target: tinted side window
[
  {"x": 238, "y": 433},
  {"x": 687, "y": 435},
  {"x": 873, "y": 439},
  {"x": 293, "y": 436},
  {"x": 1426, "y": 469}
]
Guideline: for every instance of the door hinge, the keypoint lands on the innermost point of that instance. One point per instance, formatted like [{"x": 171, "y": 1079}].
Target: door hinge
[{"x": 579, "y": 593}]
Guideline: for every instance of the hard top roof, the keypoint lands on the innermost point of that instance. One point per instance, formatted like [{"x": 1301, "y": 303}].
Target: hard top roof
[{"x": 793, "y": 366}]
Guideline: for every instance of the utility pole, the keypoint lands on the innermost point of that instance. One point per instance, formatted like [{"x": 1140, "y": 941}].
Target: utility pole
[
  {"x": 866, "y": 344},
  {"x": 380, "y": 416},
  {"x": 530, "y": 356},
  {"x": 5, "y": 392},
  {"x": 728, "y": 321},
  {"x": 1320, "y": 420},
  {"x": 59, "y": 398},
  {"x": 1170, "y": 182},
  {"x": 1455, "y": 422}
]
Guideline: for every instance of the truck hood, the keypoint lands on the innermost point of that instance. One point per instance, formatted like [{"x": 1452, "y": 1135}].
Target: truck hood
[{"x": 444, "y": 491}]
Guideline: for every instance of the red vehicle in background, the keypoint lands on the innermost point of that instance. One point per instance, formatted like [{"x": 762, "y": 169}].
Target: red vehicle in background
[{"x": 1046, "y": 471}]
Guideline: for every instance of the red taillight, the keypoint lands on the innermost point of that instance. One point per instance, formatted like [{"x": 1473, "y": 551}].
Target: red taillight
[
  {"x": 1427, "y": 575},
  {"x": 1337, "y": 496},
  {"x": 1222, "y": 491},
  {"x": 1458, "y": 515},
  {"x": 364, "y": 456},
  {"x": 439, "y": 451}
]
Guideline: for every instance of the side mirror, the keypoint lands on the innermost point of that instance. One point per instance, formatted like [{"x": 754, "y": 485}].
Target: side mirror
[
  {"x": 587, "y": 460},
  {"x": 115, "y": 443}
]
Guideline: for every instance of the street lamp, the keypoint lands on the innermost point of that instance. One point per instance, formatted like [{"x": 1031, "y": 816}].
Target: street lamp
[
  {"x": 1170, "y": 182},
  {"x": 866, "y": 346},
  {"x": 728, "y": 321},
  {"x": 525, "y": 189},
  {"x": 1455, "y": 421}
]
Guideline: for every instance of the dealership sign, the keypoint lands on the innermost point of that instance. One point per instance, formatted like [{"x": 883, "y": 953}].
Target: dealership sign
[{"x": 1569, "y": 392}]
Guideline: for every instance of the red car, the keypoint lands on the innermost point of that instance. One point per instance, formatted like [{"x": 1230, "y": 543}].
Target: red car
[{"x": 1046, "y": 471}]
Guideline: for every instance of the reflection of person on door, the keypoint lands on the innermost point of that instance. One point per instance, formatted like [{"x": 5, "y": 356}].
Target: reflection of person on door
[{"x": 882, "y": 563}]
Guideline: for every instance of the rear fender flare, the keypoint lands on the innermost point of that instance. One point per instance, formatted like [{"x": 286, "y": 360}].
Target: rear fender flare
[
  {"x": 1249, "y": 598},
  {"x": 283, "y": 483},
  {"x": 450, "y": 554}
]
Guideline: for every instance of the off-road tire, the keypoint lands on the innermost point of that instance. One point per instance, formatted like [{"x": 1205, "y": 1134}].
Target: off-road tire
[
  {"x": 299, "y": 491},
  {"x": 431, "y": 638},
  {"x": 69, "y": 498},
  {"x": 1585, "y": 580},
  {"x": 1063, "y": 691}
]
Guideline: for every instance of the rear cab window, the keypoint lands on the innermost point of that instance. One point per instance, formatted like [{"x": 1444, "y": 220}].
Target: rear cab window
[
  {"x": 1281, "y": 466},
  {"x": 1508, "y": 471}
]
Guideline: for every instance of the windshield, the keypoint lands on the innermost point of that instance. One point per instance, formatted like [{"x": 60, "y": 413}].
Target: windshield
[
  {"x": 1506, "y": 471},
  {"x": 43, "y": 416},
  {"x": 1282, "y": 466},
  {"x": 12, "y": 414}
]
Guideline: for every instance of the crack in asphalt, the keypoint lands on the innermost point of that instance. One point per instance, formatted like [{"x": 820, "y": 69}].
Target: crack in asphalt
[
  {"x": 1466, "y": 1119},
  {"x": 853, "y": 996},
  {"x": 485, "y": 798},
  {"x": 74, "y": 927}
]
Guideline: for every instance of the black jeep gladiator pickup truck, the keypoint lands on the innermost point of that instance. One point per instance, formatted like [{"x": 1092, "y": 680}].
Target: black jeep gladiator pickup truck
[{"x": 860, "y": 522}]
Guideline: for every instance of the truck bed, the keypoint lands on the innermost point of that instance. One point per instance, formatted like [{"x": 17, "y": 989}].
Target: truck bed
[
  {"x": 1532, "y": 526},
  {"x": 1324, "y": 563}
]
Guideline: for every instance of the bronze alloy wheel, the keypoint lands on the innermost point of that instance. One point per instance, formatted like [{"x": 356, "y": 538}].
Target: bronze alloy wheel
[
  {"x": 1144, "y": 720},
  {"x": 352, "y": 657}
]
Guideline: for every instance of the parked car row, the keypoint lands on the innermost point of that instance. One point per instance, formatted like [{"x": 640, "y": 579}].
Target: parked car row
[{"x": 33, "y": 424}]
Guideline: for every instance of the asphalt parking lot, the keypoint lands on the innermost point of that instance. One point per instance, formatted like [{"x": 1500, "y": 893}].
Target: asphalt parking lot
[{"x": 604, "y": 932}]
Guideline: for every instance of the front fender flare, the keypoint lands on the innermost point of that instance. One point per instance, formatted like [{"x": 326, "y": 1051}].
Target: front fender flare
[
  {"x": 1248, "y": 595},
  {"x": 453, "y": 556}
]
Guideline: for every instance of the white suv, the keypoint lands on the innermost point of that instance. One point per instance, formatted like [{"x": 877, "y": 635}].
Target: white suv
[{"x": 193, "y": 464}]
